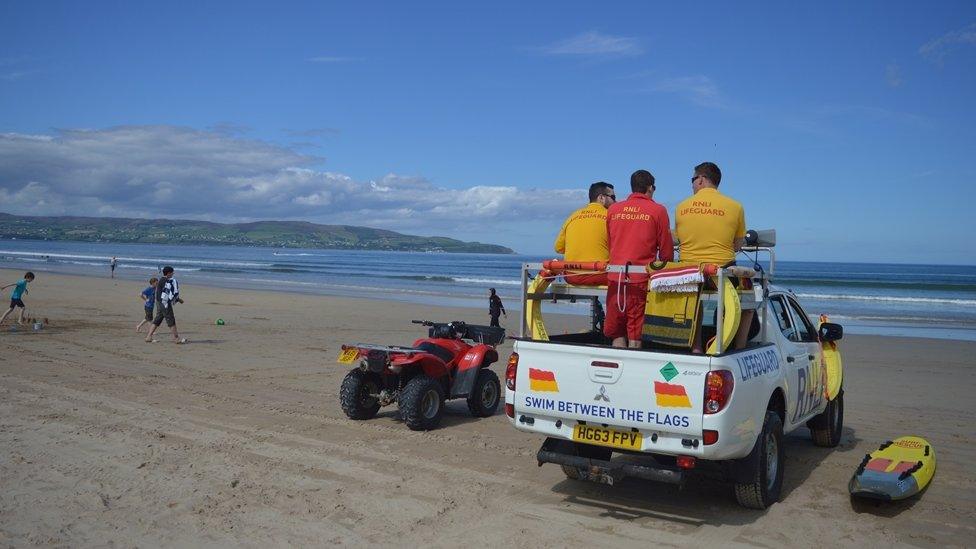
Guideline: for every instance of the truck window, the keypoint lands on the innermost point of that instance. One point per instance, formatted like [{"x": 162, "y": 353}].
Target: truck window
[
  {"x": 782, "y": 317},
  {"x": 804, "y": 329}
]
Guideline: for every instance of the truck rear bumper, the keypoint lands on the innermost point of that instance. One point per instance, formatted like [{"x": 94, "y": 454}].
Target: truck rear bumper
[{"x": 561, "y": 452}]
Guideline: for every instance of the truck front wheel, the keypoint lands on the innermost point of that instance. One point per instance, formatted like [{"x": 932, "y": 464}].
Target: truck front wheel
[
  {"x": 826, "y": 428},
  {"x": 767, "y": 482}
]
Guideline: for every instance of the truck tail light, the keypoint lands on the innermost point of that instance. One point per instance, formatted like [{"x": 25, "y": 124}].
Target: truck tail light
[
  {"x": 510, "y": 371},
  {"x": 718, "y": 389},
  {"x": 686, "y": 462},
  {"x": 510, "y": 410}
]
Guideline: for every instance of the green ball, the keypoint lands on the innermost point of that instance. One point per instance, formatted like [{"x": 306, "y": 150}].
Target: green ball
[{"x": 219, "y": 322}]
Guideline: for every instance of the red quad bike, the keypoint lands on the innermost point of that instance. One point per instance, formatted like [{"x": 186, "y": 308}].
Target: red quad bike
[{"x": 420, "y": 378}]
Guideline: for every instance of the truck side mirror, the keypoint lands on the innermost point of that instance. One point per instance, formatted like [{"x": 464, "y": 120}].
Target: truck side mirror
[{"x": 831, "y": 332}]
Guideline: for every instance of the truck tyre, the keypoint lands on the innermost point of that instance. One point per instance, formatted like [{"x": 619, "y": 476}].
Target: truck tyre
[
  {"x": 765, "y": 487},
  {"x": 356, "y": 394},
  {"x": 422, "y": 403},
  {"x": 587, "y": 451},
  {"x": 485, "y": 394},
  {"x": 826, "y": 428}
]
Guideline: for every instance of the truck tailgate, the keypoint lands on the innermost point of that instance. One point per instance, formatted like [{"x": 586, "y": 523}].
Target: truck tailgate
[{"x": 638, "y": 390}]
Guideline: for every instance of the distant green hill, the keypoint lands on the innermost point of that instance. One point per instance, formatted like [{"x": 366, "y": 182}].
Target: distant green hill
[{"x": 283, "y": 234}]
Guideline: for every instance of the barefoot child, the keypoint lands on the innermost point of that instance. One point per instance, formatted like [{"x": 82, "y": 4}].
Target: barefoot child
[
  {"x": 148, "y": 297},
  {"x": 16, "y": 297}
]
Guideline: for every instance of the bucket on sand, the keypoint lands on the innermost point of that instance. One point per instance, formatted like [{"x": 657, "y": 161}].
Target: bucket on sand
[{"x": 37, "y": 326}]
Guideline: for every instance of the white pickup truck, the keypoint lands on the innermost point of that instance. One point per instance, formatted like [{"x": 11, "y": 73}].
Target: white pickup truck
[{"x": 680, "y": 411}]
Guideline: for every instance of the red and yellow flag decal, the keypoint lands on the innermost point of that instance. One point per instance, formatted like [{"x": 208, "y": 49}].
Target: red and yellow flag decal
[
  {"x": 542, "y": 380},
  {"x": 671, "y": 396}
]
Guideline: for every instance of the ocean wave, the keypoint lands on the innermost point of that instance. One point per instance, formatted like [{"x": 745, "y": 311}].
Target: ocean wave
[
  {"x": 294, "y": 255},
  {"x": 496, "y": 281},
  {"x": 24, "y": 256},
  {"x": 895, "y": 299}
]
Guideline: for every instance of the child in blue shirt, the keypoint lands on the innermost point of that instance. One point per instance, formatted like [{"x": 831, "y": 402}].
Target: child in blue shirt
[
  {"x": 16, "y": 297},
  {"x": 148, "y": 297}
]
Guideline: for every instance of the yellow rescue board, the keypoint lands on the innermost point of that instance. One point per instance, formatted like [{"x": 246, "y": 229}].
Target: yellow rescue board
[
  {"x": 899, "y": 469},
  {"x": 533, "y": 311},
  {"x": 730, "y": 323}
]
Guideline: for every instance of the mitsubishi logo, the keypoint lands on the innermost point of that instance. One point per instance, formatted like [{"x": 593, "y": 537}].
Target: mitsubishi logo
[{"x": 602, "y": 395}]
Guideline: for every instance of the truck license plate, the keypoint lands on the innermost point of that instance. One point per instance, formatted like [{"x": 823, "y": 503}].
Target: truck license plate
[
  {"x": 348, "y": 356},
  {"x": 607, "y": 437}
]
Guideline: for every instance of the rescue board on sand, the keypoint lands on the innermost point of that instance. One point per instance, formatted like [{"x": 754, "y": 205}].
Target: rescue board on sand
[{"x": 899, "y": 469}]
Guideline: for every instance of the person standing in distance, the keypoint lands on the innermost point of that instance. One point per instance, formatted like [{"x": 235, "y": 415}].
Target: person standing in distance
[
  {"x": 495, "y": 307},
  {"x": 583, "y": 236},
  {"x": 112, "y": 264},
  {"x": 711, "y": 228},
  {"x": 639, "y": 233}
]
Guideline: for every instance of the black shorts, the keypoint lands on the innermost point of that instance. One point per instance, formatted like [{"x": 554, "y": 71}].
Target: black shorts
[
  {"x": 167, "y": 313},
  {"x": 16, "y": 303},
  {"x": 149, "y": 314}
]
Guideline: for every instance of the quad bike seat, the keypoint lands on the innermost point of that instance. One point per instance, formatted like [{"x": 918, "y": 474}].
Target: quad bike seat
[{"x": 436, "y": 350}]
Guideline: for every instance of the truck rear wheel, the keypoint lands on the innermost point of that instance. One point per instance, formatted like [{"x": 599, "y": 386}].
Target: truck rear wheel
[
  {"x": 357, "y": 394},
  {"x": 827, "y": 427},
  {"x": 485, "y": 394},
  {"x": 422, "y": 403},
  {"x": 767, "y": 483}
]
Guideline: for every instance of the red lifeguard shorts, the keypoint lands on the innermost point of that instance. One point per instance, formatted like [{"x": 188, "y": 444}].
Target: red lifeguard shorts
[
  {"x": 594, "y": 279},
  {"x": 630, "y": 322}
]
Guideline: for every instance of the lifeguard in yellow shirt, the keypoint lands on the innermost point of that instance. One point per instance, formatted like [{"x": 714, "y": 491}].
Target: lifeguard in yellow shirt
[
  {"x": 711, "y": 228},
  {"x": 583, "y": 236}
]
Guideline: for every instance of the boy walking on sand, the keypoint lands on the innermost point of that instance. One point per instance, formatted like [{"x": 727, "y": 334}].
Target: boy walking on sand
[
  {"x": 16, "y": 297},
  {"x": 148, "y": 297},
  {"x": 167, "y": 295}
]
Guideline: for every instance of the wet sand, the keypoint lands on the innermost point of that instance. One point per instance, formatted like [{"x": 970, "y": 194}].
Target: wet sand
[{"x": 237, "y": 439}]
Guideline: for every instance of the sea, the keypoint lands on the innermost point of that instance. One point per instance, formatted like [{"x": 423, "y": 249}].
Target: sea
[{"x": 935, "y": 301}]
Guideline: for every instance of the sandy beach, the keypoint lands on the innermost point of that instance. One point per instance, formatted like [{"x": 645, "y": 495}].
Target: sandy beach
[{"x": 237, "y": 439}]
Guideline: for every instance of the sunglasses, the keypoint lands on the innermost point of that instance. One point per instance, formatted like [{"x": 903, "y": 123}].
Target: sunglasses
[
  {"x": 611, "y": 196},
  {"x": 694, "y": 177}
]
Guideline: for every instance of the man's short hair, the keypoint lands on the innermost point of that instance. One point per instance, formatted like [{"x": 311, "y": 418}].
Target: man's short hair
[
  {"x": 641, "y": 181},
  {"x": 29, "y": 275},
  {"x": 711, "y": 171},
  {"x": 598, "y": 188},
  {"x": 167, "y": 270}
]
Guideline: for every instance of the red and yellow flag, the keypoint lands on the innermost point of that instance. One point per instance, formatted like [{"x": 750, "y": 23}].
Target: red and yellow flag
[
  {"x": 542, "y": 380},
  {"x": 671, "y": 396}
]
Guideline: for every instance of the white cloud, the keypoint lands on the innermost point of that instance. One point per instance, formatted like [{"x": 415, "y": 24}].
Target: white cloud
[
  {"x": 177, "y": 172},
  {"x": 893, "y": 75},
  {"x": 938, "y": 48},
  {"x": 698, "y": 89},
  {"x": 593, "y": 43}
]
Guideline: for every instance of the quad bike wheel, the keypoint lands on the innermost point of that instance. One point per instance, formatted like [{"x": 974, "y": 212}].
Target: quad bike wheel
[
  {"x": 357, "y": 394},
  {"x": 422, "y": 403},
  {"x": 485, "y": 394}
]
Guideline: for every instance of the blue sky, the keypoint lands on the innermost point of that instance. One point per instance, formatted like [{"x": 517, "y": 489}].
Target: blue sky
[{"x": 849, "y": 127}]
